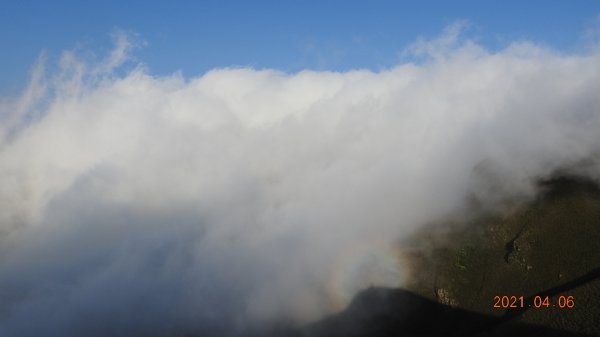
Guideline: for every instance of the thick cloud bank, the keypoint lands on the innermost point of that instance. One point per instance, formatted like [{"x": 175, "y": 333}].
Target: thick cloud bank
[{"x": 134, "y": 205}]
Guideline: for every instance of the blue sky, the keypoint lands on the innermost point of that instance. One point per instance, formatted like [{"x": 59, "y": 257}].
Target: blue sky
[{"x": 195, "y": 36}]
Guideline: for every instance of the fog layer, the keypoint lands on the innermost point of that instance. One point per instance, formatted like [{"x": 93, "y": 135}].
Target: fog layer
[{"x": 137, "y": 205}]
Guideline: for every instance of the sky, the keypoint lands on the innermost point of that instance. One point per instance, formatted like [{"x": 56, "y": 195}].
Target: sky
[
  {"x": 196, "y": 36},
  {"x": 206, "y": 169}
]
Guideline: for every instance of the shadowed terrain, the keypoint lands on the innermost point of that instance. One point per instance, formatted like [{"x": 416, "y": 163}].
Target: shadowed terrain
[
  {"x": 547, "y": 247},
  {"x": 396, "y": 312}
]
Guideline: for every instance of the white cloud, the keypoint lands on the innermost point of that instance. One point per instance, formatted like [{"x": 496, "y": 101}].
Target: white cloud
[{"x": 142, "y": 205}]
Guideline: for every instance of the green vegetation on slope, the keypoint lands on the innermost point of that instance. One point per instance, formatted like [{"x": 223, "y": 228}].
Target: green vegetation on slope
[{"x": 541, "y": 245}]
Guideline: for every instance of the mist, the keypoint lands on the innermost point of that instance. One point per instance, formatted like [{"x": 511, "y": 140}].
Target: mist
[{"x": 139, "y": 205}]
